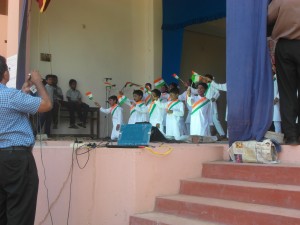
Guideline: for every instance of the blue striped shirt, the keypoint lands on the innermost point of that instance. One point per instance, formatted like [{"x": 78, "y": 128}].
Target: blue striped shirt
[{"x": 15, "y": 107}]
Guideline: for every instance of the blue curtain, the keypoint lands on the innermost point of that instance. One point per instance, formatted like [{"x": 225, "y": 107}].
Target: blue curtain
[
  {"x": 178, "y": 14},
  {"x": 249, "y": 76},
  {"x": 21, "y": 65}
]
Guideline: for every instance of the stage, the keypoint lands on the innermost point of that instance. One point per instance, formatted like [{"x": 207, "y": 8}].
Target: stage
[{"x": 107, "y": 185}]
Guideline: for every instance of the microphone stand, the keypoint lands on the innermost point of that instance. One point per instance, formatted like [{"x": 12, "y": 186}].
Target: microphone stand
[{"x": 107, "y": 92}]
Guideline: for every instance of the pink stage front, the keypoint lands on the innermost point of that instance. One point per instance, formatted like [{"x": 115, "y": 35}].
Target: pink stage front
[{"x": 107, "y": 185}]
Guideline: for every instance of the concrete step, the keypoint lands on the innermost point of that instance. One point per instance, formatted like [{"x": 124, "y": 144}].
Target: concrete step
[
  {"x": 265, "y": 173},
  {"x": 155, "y": 218},
  {"x": 280, "y": 195},
  {"x": 225, "y": 211}
]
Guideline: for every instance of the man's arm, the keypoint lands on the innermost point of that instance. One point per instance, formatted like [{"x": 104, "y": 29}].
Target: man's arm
[{"x": 36, "y": 79}]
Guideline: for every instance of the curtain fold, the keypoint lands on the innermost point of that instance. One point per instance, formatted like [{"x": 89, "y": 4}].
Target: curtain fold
[{"x": 249, "y": 75}]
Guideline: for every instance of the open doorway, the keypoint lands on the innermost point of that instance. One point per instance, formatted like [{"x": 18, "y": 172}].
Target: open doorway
[{"x": 204, "y": 51}]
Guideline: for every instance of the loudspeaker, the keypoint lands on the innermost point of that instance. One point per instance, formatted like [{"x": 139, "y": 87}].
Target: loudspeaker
[{"x": 156, "y": 135}]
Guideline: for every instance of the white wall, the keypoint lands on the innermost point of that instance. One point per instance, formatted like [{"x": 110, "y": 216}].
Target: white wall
[{"x": 93, "y": 39}]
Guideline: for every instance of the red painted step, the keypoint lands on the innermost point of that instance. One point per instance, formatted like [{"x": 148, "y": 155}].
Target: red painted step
[
  {"x": 252, "y": 192},
  {"x": 226, "y": 212},
  {"x": 266, "y": 173},
  {"x": 155, "y": 218}
]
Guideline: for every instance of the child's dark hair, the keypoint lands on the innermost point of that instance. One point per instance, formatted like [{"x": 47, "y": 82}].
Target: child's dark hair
[
  {"x": 149, "y": 85},
  {"x": 3, "y": 67},
  {"x": 138, "y": 92},
  {"x": 49, "y": 76},
  {"x": 156, "y": 92},
  {"x": 203, "y": 85},
  {"x": 72, "y": 81},
  {"x": 209, "y": 76},
  {"x": 175, "y": 91},
  {"x": 114, "y": 98}
]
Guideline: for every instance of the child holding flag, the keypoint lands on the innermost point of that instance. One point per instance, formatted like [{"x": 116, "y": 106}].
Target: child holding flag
[
  {"x": 147, "y": 94},
  {"x": 156, "y": 113},
  {"x": 116, "y": 115},
  {"x": 200, "y": 112},
  {"x": 175, "y": 110},
  {"x": 138, "y": 109}
]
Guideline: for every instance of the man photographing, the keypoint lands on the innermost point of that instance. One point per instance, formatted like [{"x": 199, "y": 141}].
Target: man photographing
[{"x": 18, "y": 173}]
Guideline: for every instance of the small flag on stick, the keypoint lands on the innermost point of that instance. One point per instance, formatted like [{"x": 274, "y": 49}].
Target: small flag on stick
[
  {"x": 158, "y": 83},
  {"x": 89, "y": 95},
  {"x": 122, "y": 99},
  {"x": 196, "y": 77},
  {"x": 177, "y": 77}
]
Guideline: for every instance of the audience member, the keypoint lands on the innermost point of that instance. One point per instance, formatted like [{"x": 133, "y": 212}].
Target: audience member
[{"x": 75, "y": 104}]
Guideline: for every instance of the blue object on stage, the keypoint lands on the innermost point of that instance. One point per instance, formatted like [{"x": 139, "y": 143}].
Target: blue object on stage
[{"x": 135, "y": 134}]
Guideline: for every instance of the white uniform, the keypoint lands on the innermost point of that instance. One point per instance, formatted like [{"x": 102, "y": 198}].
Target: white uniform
[
  {"x": 185, "y": 124},
  {"x": 117, "y": 119},
  {"x": 173, "y": 120},
  {"x": 165, "y": 97},
  {"x": 156, "y": 115},
  {"x": 213, "y": 93},
  {"x": 221, "y": 87},
  {"x": 276, "y": 111},
  {"x": 138, "y": 113},
  {"x": 200, "y": 115}
]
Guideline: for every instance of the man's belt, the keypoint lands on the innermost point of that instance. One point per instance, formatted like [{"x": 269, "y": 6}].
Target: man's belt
[{"x": 17, "y": 148}]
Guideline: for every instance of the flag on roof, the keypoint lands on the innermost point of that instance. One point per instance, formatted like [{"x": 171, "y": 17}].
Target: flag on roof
[
  {"x": 43, "y": 4},
  {"x": 158, "y": 83},
  {"x": 89, "y": 95},
  {"x": 175, "y": 76},
  {"x": 122, "y": 99}
]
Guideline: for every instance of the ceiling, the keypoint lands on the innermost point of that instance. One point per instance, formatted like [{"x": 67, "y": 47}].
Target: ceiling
[{"x": 214, "y": 28}]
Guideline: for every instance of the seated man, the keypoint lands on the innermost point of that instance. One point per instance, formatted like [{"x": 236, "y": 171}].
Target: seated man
[{"x": 75, "y": 104}]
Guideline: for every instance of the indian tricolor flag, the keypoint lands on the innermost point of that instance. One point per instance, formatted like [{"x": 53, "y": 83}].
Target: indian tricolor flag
[
  {"x": 43, "y": 4},
  {"x": 196, "y": 77},
  {"x": 122, "y": 99},
  {"x": 158, "y": 83},
  {"x": 175, "y": 76},
  {"x": 89, "y": 95}
]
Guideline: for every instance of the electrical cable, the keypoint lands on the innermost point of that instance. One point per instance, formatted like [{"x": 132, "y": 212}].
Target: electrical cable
[
  {"x": 44, "y": 169},
  {"x": 70, "y": 192}
]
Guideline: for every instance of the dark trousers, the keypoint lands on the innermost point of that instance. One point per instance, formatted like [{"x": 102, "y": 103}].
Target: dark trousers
[
  {"x": 18, "y": 188},
  {"x": 287, "y": 57},
  {"x": 45, "y": 120},
  {"x": 81, "y": 109},
  {"x": 55, "y": 110}
]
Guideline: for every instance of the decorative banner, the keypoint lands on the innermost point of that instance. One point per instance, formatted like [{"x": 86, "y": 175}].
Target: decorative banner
[
  {"x": 43, "y": 4},
  {"x": 89, "y": 95},
  {"x": 158, "y": 83},
  {"x": 122, "y": 99}
]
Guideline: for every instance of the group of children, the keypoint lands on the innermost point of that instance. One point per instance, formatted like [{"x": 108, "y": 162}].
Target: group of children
[
  {"x": 166, "y": 110},
  {"x": 74, "y": 105}
]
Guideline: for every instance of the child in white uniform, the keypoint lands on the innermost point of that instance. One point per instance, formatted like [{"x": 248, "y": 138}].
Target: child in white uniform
[
  {"x": 175, "y": 110},
  {"x": 138, "y": 109},
  {"x": 276, "y": 111},
  {"x": 116, "y": 115},
  {"x": 200, "y": 114},
  {"x": 156, "y": 113}
]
